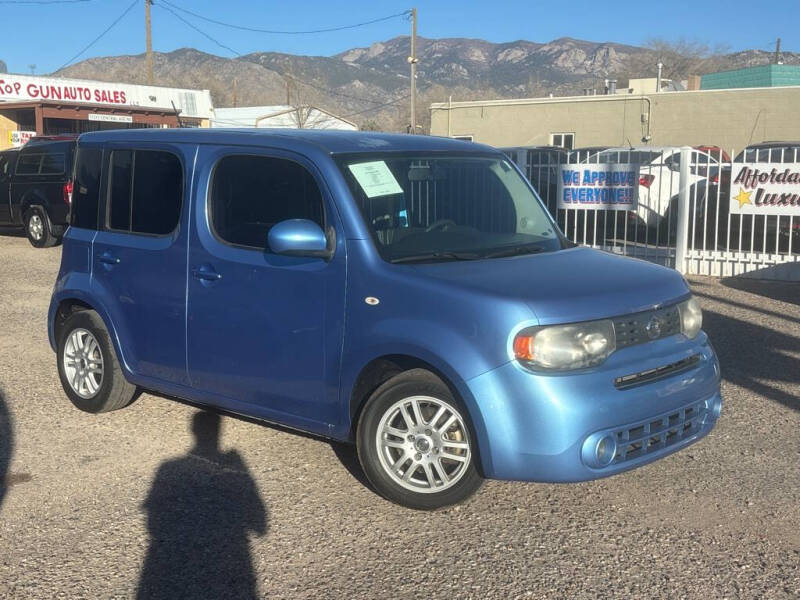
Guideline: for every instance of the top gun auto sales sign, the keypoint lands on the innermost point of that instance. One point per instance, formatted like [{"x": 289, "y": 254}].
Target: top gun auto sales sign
[{"x": 765, "y": 189}]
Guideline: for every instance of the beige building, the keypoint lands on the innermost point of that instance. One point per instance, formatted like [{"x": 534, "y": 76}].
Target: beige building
[{"x": 730, "y": 119}]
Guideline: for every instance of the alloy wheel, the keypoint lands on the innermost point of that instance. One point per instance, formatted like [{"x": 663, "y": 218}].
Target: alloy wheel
[
  {"x": 83, "y": 363},
  {"x": 36, "y": 227},
  {"x": 423, "y": 444}
]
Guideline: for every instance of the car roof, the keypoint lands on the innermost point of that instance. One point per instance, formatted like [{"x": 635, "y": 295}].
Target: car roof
[
  {"x": 773, "y": 145},
  {"x": 332, "y": 142},
  {"x": 640, "y": 149},
  {"x": 39, "y": 139}
]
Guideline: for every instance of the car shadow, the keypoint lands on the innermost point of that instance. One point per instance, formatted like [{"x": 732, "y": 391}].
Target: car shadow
[
  {"x": 783, "y": 291},
  {"x": 6, "y": 446},
  {"x": 201, "y": 510},
  {"x": 12, "y": 232},
  {"x": 766, "y": 366}
]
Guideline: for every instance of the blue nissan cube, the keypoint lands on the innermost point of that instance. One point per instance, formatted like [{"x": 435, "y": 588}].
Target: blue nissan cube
[{"x": 408, "y": 294}]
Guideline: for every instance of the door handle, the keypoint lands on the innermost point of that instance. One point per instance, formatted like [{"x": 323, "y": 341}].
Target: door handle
[
  {"x": 206, "y": 273},
  {"x": 107, "y": 259}
]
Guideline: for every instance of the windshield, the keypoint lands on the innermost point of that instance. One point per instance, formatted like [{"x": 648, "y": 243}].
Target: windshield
[{"x": 426, "y": 208}]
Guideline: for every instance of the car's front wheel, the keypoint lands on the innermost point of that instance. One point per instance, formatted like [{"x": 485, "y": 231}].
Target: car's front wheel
[
  {"x": 88, "y": 367},
  {"x": 415, "y": 443}
]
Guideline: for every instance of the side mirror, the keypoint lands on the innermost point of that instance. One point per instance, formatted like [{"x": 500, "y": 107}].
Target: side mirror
[{"x": 299, "y": 237}]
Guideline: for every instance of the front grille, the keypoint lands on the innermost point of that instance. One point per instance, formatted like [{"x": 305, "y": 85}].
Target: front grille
[
  {"x": 642, "y": 377},
  {"x": 656, "y": 434},
  {"x": 647, "y": 326}
]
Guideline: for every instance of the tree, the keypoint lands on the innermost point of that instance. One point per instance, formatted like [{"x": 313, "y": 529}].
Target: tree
[{"x": 679, "y": 59}]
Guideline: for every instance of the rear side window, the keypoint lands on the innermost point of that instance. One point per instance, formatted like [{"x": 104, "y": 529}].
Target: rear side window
[
  {"x": 250, "y": 194},
  {"x": 28, "y": 164},
  {"x": 145, "y": 191},
  {"x": 52, "y": 164},
  {"x": 86, "y": 188},
  {"x": 41, "y": 163}
]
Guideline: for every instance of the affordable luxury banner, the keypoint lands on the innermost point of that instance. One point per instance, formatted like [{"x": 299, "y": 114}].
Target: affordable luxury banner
[{"x": 765, "y": 189}]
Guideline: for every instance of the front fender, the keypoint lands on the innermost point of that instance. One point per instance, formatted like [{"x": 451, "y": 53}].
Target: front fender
[{"x": 427, "y": 349}]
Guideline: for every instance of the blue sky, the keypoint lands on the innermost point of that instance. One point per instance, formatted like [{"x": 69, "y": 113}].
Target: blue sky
[{"x": 49, "y": 35}]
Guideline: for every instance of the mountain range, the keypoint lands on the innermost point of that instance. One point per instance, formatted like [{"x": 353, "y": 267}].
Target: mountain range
[{"x": 369, "y": 85}]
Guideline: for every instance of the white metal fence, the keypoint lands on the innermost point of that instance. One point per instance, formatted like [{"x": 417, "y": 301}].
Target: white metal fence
[{"x": 682, "y": 217}]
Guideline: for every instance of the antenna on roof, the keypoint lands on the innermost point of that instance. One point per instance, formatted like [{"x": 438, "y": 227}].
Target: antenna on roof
[{"x": 177, "y": 114}]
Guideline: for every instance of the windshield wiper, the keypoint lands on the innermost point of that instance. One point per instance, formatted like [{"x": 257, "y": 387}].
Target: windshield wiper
[
  {"x": 514, "y": 251},
  {"x": 443, "y": 255}
]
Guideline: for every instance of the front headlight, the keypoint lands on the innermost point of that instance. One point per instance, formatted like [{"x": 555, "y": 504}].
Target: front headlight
[
  {"x": 691, "y": 317},
  {"x": 565, "y": 347}
]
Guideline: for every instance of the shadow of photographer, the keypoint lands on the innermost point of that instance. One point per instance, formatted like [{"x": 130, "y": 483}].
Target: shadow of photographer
[
  {"x": 201, "y": 509},
  {"x": 6, "y": 447}
]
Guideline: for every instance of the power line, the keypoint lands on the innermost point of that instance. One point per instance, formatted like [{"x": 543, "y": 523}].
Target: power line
[
  {"x": 197, "y": 29},
  {"x": 41, "y": 2},
  {"x": 162, "y": 4},
  {"x": 334, "y": 92},
  {"x": 283, "y": 32},
  {"x": 97, "y": 39},
  {"x": 392, "y": 102}
]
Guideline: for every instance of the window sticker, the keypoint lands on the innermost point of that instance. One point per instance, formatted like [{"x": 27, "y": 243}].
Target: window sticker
[{"x": 375, "y": 179}]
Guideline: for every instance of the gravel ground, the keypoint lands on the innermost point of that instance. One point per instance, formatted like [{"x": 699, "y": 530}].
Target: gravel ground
[{"x": 113, "y": 505}]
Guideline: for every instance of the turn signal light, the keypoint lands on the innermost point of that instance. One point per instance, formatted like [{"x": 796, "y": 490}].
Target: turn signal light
[{"x": 523, "y": 347}]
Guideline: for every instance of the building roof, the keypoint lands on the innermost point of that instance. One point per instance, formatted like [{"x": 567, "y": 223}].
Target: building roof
[
  {"x": 282, "y": 115},
  {"x": 330, "y": 141},
  {"x": 440, "y": 106},
  {"x": 89, "y": 107}
]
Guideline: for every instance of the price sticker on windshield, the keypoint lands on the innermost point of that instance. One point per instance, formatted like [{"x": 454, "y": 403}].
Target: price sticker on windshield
[{"x": 375, "y": 179}]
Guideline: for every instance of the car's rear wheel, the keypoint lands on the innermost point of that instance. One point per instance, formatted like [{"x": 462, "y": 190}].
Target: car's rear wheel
[
  {"x": 88, "y": 367},
  {"x": 37, "y": 228},
  {"x": 415, "y": 443}
]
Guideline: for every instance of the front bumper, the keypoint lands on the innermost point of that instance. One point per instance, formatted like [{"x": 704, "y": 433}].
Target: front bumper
[{"x": 534, "y": 427}]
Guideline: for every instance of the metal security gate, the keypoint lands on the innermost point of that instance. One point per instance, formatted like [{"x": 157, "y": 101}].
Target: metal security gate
[{"x": 681, "y": 218}]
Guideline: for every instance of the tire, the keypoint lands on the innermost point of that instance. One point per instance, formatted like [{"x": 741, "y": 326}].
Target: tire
[
  {"x": 435, "y": 480},
  {"x": 38, "y": 229},
  {"x": 94, "y": 394}
]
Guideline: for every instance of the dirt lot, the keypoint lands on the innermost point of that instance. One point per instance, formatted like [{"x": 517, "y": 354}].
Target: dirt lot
[{"x": 124, "y": 503}]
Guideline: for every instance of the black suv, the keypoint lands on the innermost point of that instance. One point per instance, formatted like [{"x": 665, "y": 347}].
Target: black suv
[{"x": 36, "y": 188}]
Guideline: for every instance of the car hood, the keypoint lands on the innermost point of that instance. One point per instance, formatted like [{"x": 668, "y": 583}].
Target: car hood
[{"x": 577, "y": 284}]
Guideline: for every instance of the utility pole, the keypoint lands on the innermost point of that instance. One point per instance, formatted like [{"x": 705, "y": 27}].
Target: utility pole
[
  {"x": 778, "y": 52},
  {"x": 148, "y": 42},
  {"x": 235, "y": 92},
  {"x": 413, "y": 60}
]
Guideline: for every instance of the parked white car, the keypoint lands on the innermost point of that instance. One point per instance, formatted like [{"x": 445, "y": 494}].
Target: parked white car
[{"x": 659, "y": 176}]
